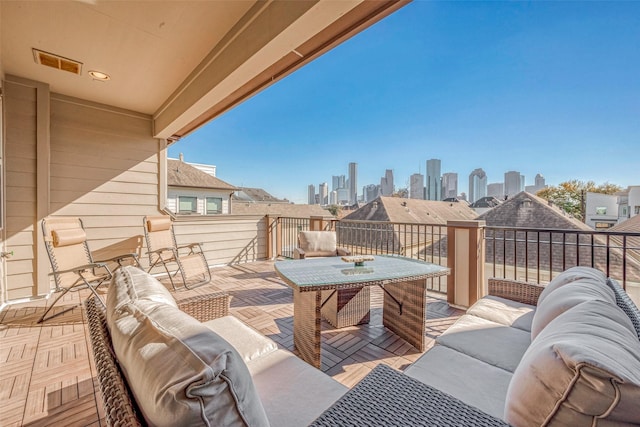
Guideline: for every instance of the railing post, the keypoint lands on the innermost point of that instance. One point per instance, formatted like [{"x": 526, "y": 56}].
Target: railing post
[
  {"x": 271, "y": 224},
  {"x": 466, "y": 259},
  {"x": 316, "y": 223}
]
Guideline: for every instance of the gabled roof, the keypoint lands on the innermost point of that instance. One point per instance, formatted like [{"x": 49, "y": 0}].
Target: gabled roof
[
  {"x": 631, "y": 225},
  {"x": 395, "y": 209},
  {"x": 181, "y": 174},
  {"x": 256, "y": 195},
  {"x": 486, "y": 202},
  {"x": 529, "y": 211},
  {"x": 282, "y": 209}
]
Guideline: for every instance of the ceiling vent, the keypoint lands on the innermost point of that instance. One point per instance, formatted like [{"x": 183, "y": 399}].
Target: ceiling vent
[{"x": 56, "y": 61}]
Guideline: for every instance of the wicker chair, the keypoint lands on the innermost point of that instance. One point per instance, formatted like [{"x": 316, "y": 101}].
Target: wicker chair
[
  {"x": 71, "y": 260},
  {"x": 188, "y": 260}
]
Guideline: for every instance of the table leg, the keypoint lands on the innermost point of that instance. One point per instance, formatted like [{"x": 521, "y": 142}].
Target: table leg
[
  {"x": 306, "y": 326},
  {"x": 346, "y": 307},
  {"x": 409, "y": 321}
]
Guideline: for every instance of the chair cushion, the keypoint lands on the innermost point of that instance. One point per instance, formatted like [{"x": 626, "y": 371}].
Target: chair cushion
[
  {"x": 158, "y": 223},
  {"x": 318, "y": 243},
  {"x": 572, "y": 274},
  {"x": 71, "y": 236},
  {"x": 490, "y": 342},
  {"x": 504, "y": 311},
  {"x": 566, "y": 297},
  {"x": 583, "y": 366},
  {"x": 474, "y": 382},
  {"x": 180, "y": 371},
  {"x": 249, "y": 343},
  {"x": 130, "y": 284}
]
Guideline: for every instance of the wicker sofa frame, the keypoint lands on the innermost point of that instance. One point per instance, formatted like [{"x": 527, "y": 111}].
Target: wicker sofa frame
[{"x": 384, "y": 397}]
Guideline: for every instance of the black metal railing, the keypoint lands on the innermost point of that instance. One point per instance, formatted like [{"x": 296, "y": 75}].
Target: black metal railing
[
  {"x": 540, "y": 254},
  {"x": 289, "y": 229}
]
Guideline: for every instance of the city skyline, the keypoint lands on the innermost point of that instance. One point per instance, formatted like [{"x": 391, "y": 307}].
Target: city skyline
[{"x": 535, "y": 87}]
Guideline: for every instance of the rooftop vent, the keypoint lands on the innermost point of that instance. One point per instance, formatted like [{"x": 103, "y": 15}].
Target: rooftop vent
[{"x": 56, "y": 61}]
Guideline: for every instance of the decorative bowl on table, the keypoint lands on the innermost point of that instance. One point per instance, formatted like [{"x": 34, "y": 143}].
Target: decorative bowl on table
[{"x": 357, "y": 260}]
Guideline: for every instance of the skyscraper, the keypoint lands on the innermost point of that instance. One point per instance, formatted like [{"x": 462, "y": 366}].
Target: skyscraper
[
  {"x": 353, "y": 183},
  {"x": 312, "y": 194},
  {"x": 416, "y": 186},
  {"x": 370, "y": 192},
  {"x": 449, "y": 185},
  {"x": 337, "y": 182},
  {"x": 513, "y": 183},
  {"x": 539, "y": 185},
  {"x": 477, "y": 185},
  {"x": 323, "y": 191},
  {"x": 434, "y": 182},
  {"x": 386, "y": 183},
  {"x": 496, "y": 189}
]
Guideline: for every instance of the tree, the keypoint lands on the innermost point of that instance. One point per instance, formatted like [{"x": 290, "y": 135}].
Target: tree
[
  {"x": 335, "y": 210},
  {"x": 571, "y": 195}
]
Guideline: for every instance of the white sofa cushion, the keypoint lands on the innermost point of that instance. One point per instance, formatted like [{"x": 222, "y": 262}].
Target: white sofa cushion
[
  {"x": 582, "y": 369},
  {"x": 567, "y": 296},
  {"x": 491, "y": 342},
  {"x": 318, "y": 243},
  {"x": 463, "y": 377},
  {"x": 293, "y": 393},
  {"x": 504, "y": 311},
  {"x": 247, "y": 342},
  {"x": 130, "y": 284},
  {"x": 573, "y": 274}
]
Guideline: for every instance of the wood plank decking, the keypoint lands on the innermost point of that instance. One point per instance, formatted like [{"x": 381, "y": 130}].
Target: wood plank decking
[{"x": 47, "y": 375}]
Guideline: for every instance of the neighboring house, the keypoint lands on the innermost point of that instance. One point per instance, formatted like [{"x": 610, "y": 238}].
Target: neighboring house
[
  {"x": 194, "y": 192},
  {"x": 485, "y": 204},
  {"x": 601, "y": 210},
  {"x": 556, "y": 240},
  {"x": 280, "y": 209},
  {"x": 406, "y": 226},
  {"x": 628, "y": 203},
  {"x": 255, "y": 195}
]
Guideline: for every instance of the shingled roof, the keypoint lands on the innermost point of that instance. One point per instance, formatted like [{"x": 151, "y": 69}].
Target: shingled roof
[
  {"x": 529, "y": 211},
  {"x": 181, "y": 174},
  {"x": 256, "y": 195},
  {"x": 282, "y": 209},
  {"x": 631, "y": 225},
  {"x": 395, "y": 209}
]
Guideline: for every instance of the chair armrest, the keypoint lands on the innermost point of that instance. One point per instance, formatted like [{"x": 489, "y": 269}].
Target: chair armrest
[
  {"x": 120, "y": 258},
  {"x": 515, "y": 290},
  {"x": 80, "y": 268},
  {"x": 388, "y": 397},
  {"x": 343, "y": 251},
  {"x": 298, "y": 253},
  {"x": 206, "y": 307}
]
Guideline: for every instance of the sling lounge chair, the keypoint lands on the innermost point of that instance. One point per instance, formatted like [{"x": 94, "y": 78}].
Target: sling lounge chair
[
  {"x": 187, "y": 261},
  {"x": 72, "y": 264}
]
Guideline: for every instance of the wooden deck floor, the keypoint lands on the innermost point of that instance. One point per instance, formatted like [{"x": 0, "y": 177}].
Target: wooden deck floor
[{"x": 47, "y": 373}]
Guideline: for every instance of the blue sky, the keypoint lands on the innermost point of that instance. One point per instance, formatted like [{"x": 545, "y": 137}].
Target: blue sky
[{"x": 537, "y": 87}]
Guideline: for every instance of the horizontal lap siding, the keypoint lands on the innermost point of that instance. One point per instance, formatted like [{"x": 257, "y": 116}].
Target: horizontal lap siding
[
  {"x": 226, "y": 239},
  {"x": 104, "y": 169},
  {"x": 20, "y": 187}
]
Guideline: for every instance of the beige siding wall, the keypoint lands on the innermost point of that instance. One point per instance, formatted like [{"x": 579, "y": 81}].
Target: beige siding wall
[
  {"x": 227, "y": 239},
  {"x": 20, "y": 104}
]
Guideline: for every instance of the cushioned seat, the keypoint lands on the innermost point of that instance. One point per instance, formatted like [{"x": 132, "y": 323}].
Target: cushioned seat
[
  {"x": 249, "y": 343},
  {"x": 286, "y": 379},
  {"x": 474, "y": 382},
  {"x": 498, "y": 345},
  {"x": 504, "y": 311}
]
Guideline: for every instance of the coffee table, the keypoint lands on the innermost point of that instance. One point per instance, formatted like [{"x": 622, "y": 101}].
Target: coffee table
[{"x": 402, "y": 279}]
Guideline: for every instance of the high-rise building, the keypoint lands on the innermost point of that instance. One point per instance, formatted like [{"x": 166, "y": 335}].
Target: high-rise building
[
  {"x": 386, "y": 183},
  {"x": 312, "y": 194},
  {"x": 338, "y": 181},
  {"x": 370, "y": 192},
  {"x": 449, "y": 185},
  {"x": 496, "y": 189},
  {"x": 416, "y": 186},
  {"x": 323, "y": 191},
  {"x": 539, "y": 185},
  {"x": 513, "y": 183},
  {"x": 333, "y": 197},
  {"x": 343, "y": 196},
  {"x": 477, "y": 185},
  {"x": 353, "y": 183},
  {"x": 434, "y": 182}
]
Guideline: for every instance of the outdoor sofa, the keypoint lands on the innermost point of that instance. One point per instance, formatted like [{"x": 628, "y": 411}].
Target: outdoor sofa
[{"x": 582, "y": 366}]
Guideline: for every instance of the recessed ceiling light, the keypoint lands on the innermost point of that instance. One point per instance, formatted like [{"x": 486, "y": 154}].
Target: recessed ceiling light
[{"x": 98, "y": 75}]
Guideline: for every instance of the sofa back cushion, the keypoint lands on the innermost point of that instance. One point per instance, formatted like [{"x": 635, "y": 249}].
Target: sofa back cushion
[
  {"x": 318, "y": 243},
  {"x": 180, "y": 371},
  {"x": 567, "y": 296},
  {"x": 582, "y": 367},
  {"x": 573, "y": 274},
  {"x": 130, "y": 284}
]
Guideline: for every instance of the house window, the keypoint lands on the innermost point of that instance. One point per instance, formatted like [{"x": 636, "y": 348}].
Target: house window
[
  {"x": 187, "y": 205},
  {"x": 214, "y": 205},
  {"x": 601, "y": 210},
  {"x": 601, "y": 225},
  {"x": 637, "y": 210}
]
